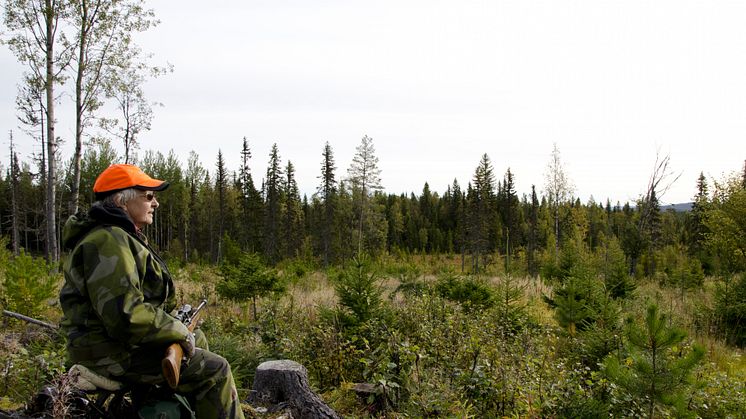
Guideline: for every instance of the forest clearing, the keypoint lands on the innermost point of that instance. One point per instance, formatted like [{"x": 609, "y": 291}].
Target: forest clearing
[{"x": 438, "y": 344}]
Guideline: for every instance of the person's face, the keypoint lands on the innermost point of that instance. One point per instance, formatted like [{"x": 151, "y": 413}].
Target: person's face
[{"x": 141, "y": 208}]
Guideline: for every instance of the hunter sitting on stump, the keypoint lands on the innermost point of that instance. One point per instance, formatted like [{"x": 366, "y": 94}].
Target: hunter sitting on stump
[{"x": 118, "y": 294}]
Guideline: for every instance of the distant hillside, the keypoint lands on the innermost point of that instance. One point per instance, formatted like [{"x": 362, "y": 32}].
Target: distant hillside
[{"x": 687, "y": 206}]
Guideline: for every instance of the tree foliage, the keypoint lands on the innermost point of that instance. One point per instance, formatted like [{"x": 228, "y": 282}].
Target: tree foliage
[
  {"x": 364, "y": 177},
  {"x": 653, "y": 370},
  {"x": 27, "y": 284},
  {"x": 360, "y": 293},
  {"x": 247, "y": 279}
]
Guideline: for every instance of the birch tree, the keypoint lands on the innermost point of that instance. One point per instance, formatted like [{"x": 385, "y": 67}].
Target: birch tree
[
  {"x": 559, "y": 189},
  {"x": 104, "y": 30},
  {"x": 648, "y": 221},
  {"x": 34, "y": 35},
  {"x": 125, "y": 87}
]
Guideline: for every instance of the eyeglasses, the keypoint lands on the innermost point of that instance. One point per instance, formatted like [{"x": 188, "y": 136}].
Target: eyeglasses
[{"x": 149, "y": 196}]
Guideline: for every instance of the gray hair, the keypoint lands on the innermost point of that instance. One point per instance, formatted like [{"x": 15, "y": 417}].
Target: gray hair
[{"x": 120, "y": 199}]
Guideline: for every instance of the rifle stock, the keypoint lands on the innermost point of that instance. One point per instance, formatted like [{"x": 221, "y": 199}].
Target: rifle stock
[{"x": 171, "y": 363}]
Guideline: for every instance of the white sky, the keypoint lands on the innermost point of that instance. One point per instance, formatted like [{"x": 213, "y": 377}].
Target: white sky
[{"x": 438, "y": 83}]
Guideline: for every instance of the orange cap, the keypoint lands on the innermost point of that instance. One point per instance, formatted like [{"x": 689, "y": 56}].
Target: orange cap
[{"x": 122, "y": 176}]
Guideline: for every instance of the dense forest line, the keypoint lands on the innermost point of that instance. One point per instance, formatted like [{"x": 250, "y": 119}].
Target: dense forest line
[{"x": 487, "y": 221}]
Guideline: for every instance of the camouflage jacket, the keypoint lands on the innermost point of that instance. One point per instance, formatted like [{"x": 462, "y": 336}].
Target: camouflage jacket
[{"x": 117, "y": 293}]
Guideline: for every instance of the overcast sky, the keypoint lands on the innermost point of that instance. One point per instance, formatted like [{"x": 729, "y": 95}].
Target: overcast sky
[{"x": 436, "y": 84}]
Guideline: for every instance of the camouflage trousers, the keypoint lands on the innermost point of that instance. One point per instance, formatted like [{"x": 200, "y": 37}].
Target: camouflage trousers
[{"x": 206, "y": 381}]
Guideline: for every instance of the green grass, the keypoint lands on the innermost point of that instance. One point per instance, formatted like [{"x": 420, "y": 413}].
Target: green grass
[{"x": 429, "y": 355}]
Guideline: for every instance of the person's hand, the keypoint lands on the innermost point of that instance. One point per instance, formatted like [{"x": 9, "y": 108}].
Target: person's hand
[{"x": 188, "y": 345}]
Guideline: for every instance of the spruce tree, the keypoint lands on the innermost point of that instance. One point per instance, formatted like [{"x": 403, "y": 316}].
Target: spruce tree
[
  {"x": 273, "y": 206},
  {"x": 656, "y": 371},
  {"x": 480, "y": 209},
  {"x": 292, "y": 215},
  {"x": 360, "y": 293},
  {"x": 573, "y": 303},
  {"x": 459, "y": 213},
  {"x": 509, "y": 215},
  {"x": 327, "y": 193},
  {"x": 695, "y": 226},
  {"x": 206, "y": 224},
  {"x": 653, "y": 230},
  {"x": 617, "y": 282},
  {"x": 221, "y": 186},
  {"x": 511, "y": 311},
  {"x": 395, "y": 217},
  {"x": 533, "y": 234},
  {"x": 426, "y": 203},
  {"x": 365, "y": 178},
  {"x": 250, "y": 201},
  {"x": 192, "y": 177}
]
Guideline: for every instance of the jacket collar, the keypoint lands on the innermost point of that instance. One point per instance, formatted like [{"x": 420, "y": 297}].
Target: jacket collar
[{"x": 113, "y": 215}]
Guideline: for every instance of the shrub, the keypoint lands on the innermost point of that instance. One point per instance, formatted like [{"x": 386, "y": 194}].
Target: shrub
[
  {"x": 293, "y": 270},
  {"x": 617, "y": 280},
  {"x": 656, "y": 369},
  {"x": 470, "y": 292},
  {"x": 329, "y": 355},
  {"x": 730, "y": 308},
  {"x": 679, "y": 269},
  {"x": 4, "y": 256},
  {"x": 359, "y": 293},
  {"x": 600, "y": 337},
  {"x": 26, "y": 366},
  {"x": 249, "y": 279},
  {"x": 243, "y": 358},
  {"x": 28, "y": 285},
  {"x": 573, "y": 308},
  {"x": 410, "y": 285},
  {"x": 510, "y": 308},
  {"x": 232, "y": 253}
]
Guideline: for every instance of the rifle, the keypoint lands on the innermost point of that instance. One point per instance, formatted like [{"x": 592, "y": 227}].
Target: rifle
[{"x": 171, "y": 363}]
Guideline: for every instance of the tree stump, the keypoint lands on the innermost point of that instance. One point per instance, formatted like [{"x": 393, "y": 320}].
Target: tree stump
[{"x": 286, "y": 382}]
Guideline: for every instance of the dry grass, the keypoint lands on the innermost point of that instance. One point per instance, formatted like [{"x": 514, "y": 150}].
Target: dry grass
[
  {"x": 726, "y": 358},
  {"x": 534, "y": 290},
  {"x": 689, "y": 309},
  {"x": 312, "y": 291}
]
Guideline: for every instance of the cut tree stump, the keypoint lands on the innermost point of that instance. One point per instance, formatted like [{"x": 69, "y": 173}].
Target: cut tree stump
[{"x": 285, "y": 382}]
